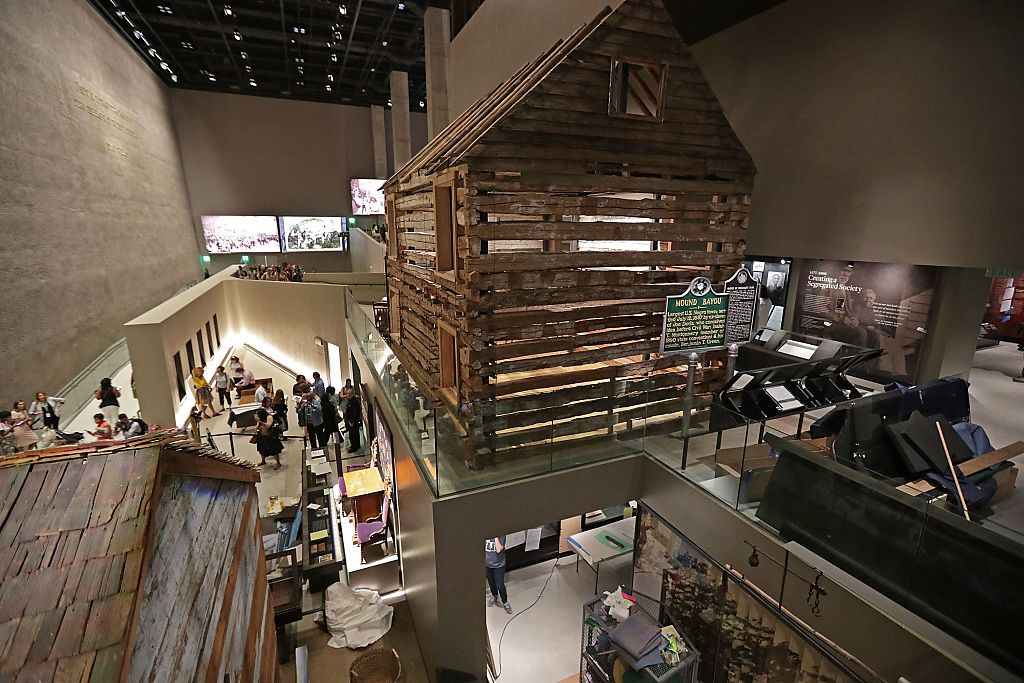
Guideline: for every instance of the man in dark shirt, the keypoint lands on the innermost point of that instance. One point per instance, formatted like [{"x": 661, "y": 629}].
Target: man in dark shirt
[
  {"x": 353, "y": 420},
  {"x": 494, "y": 552}
]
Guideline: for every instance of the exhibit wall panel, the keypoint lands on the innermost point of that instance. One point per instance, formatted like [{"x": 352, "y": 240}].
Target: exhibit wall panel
[
  {"x": 284, "y": 319},
  {"x": 873, "y": 129},
  {"x": 280, "y": 319},
  {"x": 158, "y": 334},
  {"x": 94, "y": 213},
  {"x": 881, "y": 640},
  {"x": 462, "y": 522},
  {"x": 367, "y": 253},
  {"x": 415, "y": 520}
]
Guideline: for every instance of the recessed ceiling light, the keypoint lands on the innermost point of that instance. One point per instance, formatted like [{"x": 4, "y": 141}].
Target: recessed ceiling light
[
  {"x": 422, "y": 104},
  {"x": 152, "y": 52},
  {"x": 334, "y": 57},
  {"x": 187, "y": 45},
  {"x": 248, "y": 68},
  {"x": 343, "y": 10},
  {"x": 164, "y": 9},
  {"x": 120, "y": 13},
  {"x": 384, "y": 43},
  {"x": 330, "y": 77},
  {"x": 252, "y": 82},
  {"x": 328, "y": 88},
  {"x": 174, "y": 78},
  {"x": 227, "y": 10},
  {"x": 137, "y": 34},
  {"x": 212, "y": 78},
  {"x": 163, "y": 65},
  {"x": 401, "y": 5},
  {"x": 238, "y": 36},
  {"x": 389, "y": 103},
  {"x": 372, "y": 69},
  {"x": 245, "y": 55}
]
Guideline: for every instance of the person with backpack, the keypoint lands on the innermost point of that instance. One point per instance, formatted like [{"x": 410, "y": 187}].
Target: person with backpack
[
  {"x": 130, "y": 427},
  {"x": 311, "y": 413}
]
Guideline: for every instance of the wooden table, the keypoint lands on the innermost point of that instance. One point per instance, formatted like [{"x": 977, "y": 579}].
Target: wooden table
[{"x": 365, "y": 488}]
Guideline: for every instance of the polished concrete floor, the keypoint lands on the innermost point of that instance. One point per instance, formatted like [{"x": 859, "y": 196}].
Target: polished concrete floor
[
  {"x": 327, "y": 664},
  {"x": 542, "y": 643},
  {"x": 996, "y": 402}
]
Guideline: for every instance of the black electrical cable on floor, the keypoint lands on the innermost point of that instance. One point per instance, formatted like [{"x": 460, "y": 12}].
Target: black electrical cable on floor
[{"x": 497, "y": 674}]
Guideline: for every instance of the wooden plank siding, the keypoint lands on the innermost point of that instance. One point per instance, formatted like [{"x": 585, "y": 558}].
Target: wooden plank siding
[{"x": 557, "y": 343}]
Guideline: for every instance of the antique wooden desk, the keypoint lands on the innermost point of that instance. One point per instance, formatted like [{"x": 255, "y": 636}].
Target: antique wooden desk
[{"x": 365, "y": 488}]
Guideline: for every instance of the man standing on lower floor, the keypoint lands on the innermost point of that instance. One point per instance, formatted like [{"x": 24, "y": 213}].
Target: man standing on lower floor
[
  {"x": 353, "y": 420},
  {"x": 494, "y": 552}
]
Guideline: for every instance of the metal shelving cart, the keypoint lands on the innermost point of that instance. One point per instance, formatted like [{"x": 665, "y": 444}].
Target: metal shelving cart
[{"x": 599, "y": 655}]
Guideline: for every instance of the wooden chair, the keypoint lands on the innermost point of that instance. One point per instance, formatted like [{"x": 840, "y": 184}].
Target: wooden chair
[{"x": 377, "y": 666}]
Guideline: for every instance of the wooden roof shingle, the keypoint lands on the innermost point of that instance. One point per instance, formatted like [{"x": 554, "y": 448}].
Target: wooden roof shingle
[{"x": 73, "y": 525}]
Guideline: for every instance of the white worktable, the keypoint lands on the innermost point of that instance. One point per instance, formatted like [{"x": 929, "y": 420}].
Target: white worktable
[{"x": 598, "y": 545}]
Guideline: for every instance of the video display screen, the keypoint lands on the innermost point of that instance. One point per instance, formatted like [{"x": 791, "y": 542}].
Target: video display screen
[
  {"x": 238, "y": 234},
  {"x": 313, "y": 233},
  {"x": 367, "y": 196}
]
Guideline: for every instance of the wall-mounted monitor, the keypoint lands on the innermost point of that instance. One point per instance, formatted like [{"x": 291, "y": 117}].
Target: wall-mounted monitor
[
  {"x": 313, "y": 233},
  {"x": 236, "y": 234},
  {"x": 367, "y": 196}
]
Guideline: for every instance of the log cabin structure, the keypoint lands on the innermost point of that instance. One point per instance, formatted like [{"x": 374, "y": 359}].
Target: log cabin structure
[
  {"x": 532, "y": 243},
  {"x": 139, "y": 560}
]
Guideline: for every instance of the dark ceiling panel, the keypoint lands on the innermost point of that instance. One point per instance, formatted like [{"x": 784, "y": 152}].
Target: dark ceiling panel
[
  {"x": 699, "y": 19},
  {"x": 338, "y": 51},
  {"x": 322, "y": 50}
]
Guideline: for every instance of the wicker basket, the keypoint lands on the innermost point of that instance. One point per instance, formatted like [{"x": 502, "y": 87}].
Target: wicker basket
[{"x": 377, "y": 666}]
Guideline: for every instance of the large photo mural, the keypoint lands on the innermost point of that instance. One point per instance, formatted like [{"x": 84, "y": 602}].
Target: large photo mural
[{"x": 740, "y": 638}]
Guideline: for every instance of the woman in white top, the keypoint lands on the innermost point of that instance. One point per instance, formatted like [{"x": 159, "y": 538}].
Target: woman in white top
[
  {"x": 48, "y": 408},
  {"x": 236, "y": 368},
  {"x": 223, "y": 384}
]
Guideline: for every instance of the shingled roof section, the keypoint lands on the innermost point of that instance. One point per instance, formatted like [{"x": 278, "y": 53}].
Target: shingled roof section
[
  {"x": 71, "y": 544},
  {"x": 73, "y": 523}
]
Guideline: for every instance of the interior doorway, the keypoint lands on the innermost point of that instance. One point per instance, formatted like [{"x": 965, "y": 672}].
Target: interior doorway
[
  {"x": 547, "y": 586},
  {"x": 335, "y": 371}
]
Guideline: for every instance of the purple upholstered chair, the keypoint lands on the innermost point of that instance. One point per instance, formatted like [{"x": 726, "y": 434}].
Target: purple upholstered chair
[{"x": 374, "y": 531}]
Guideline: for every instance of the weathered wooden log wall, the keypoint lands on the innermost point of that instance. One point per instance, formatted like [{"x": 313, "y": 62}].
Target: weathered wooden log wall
[
  {"x": 206, "y": 608},
  {"x": 558, "y": 343}
]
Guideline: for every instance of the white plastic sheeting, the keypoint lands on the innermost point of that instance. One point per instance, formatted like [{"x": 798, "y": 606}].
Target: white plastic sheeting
[{"x": 355, "y": 618}]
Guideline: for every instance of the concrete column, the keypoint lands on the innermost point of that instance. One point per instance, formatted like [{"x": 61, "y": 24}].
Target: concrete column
[
  {"x": 437, "y": 36},
  {"x": 401, "y": 135},
  {"x": 958, "y": 307},
  {"x": 380, "y": 142}
]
